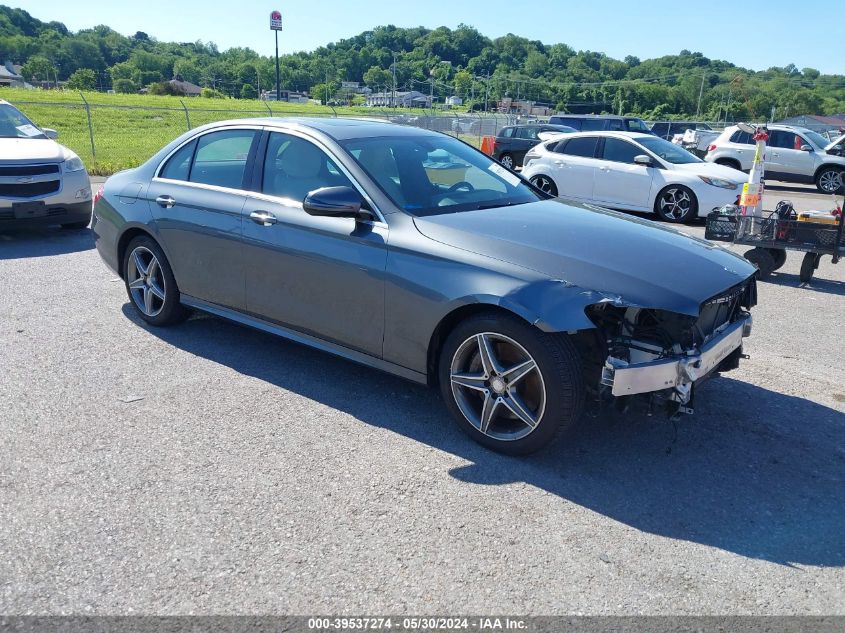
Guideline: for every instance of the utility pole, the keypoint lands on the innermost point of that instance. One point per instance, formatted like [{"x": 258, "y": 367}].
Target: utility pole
[
  {"x": 327, "y": 86},
  {"x": 486, "y": 90},
  {"x": 393, "y": 99},
  {"x": 700, "y": 93}
]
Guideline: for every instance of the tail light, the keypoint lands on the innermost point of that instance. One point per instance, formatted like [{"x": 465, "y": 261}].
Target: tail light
[
  {"x": 711, "y": 148},
  {"x": 98, "y": 195}
]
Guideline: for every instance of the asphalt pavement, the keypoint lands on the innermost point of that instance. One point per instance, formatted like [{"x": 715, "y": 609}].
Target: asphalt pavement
[{"x": 209, "y": 468}]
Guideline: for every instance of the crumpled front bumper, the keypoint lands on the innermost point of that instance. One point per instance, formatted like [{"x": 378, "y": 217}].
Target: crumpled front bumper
[{"x": 678, "y": 372}]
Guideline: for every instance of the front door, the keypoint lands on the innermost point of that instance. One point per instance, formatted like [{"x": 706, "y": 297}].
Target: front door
[
  {"x": 785, "y": 155},
  {"x": 322, "y": 276},
  {"x": 619, "y": 181}
]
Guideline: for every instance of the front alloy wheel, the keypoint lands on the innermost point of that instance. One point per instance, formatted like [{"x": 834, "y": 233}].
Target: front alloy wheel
[
  {"x": 507, "y": 161},
  {"x": 676, "y": 204},
  {"x": 509, "y": 385},
  {"x": 830, "y": 181},
  {"x": 497, "y": 386}
]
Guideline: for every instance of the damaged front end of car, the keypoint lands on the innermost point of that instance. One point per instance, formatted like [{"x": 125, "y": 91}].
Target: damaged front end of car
[{"x": 659, "y": 357}]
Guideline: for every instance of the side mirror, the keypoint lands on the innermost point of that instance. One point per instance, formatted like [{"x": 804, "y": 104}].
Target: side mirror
[
  {"x": 50, "y": 133},
  {"x": 642, "y": 159},
  {"x": 806, "y": 148},
  {"x": 336, "y": 202}
]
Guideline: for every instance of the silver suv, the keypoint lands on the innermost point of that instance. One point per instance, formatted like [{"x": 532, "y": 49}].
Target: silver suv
[
  {"x": 793, "y": 154},
  {"x": 41, "y": 182}
]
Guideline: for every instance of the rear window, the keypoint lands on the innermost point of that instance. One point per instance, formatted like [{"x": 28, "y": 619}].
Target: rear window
[{"x": 583, "y": 146}]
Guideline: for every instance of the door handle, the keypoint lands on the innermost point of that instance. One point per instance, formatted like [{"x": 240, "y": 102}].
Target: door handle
[
  {"x": 560, "y": 163},
  {"x": 165, "y": 201},
  {"x": 775, "y": 155},
  {"x": 264, "y": 218}
]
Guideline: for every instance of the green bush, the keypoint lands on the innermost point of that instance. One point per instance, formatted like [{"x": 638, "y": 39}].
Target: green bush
[
  {"x": 248, "y": 92},
  {"x": 124, "y": 86},
  {"x": 210, "y": 93},
  {"x": 82, "y": 79}
]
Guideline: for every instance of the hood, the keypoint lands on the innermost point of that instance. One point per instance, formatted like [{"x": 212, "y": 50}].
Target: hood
[
  {"x": 713, "y": 170},
  {"x": 641, "y": 262},
  {"x": 834, "y": 143},
  {"x": 31, "y": 150}
]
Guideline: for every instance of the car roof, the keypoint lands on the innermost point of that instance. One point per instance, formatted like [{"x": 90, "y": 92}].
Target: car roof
[
  {"x": 335, "y": 128},
  {"x": 594, "y": 116},
  {"x": 613, "y": 134}
]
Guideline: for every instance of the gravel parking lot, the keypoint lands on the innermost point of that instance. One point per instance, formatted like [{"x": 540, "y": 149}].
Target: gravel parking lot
[{"x": 210, "y": 468}]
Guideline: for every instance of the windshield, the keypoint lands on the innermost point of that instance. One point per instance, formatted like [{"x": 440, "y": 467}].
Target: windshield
[
  {"x": 427, "y": 175},
  {"x": 669, "y": 152},
  {"x": 637, "y": 125},
  {"x": 816, "y": 138},
  {"x": 13, "y": 124}
]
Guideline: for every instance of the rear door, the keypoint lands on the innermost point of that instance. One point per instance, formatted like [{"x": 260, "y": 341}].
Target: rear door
[
  {"x": 619, "y": 182},
  {"x": 524, "y": 139},
  {"x": 786, "y": 157},
  {"x": 196, "y": 199},
  {"x": 573, "y": 166},
  {"x": 319, "y": 275}
]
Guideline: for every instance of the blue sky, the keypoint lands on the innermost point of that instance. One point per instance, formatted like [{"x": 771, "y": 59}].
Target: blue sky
[{"x": 719, "y": 29}]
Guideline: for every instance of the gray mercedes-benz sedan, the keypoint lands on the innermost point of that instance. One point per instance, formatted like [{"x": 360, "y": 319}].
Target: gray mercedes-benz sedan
[{"x": 414, "y": 253}]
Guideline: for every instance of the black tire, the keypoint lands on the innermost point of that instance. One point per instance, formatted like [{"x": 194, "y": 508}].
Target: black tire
[
  {"x": 76, "y": 226},
  {"x": 558, "y": 375},
  {"x": 779, "y": 256},
  {"x": 826, "y": 180},
  {"x": 762, "y": 259},
  {"x": 545, "y": 184},
  {"x": 808, "y": 266},
  {"x": 685, "y": 203},
  {"x": 171, "y": 310},
  {"x": 507, "y": 161}
]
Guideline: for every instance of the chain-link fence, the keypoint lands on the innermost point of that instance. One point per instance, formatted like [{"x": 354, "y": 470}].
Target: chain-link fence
[{"x": 111, "y": 137}]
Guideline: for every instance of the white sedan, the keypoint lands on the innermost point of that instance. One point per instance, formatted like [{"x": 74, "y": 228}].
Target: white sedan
[{"x": 632, "y": 172}]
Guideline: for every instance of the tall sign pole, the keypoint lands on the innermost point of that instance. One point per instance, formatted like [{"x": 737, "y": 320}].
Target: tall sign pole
[{"x": 276, "y": 25}]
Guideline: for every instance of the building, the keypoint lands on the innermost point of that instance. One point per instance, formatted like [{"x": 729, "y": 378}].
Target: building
[
  {"x": 287, "y": 95},
  {"x": 817, "y": 123},
  {"x": 410, "y": 99},
  {"x": 454, "y": 101},
  {"x": 10, "y": 76},
  {"x": 185, "y": 87},
  {"x": 523, "y": 107}
]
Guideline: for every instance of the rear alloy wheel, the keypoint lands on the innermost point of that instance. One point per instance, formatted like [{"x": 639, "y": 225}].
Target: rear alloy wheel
[
  {"x": 150, "y": 283},
  {"x": 676, "y": 203},
  {"x": 829, "y": 180},
  {"x": 507, "y": 161},
  {"x": 544, "y": 184},
  {"x": 510, "y": 386},
  {"x": 763, "y": 260}
]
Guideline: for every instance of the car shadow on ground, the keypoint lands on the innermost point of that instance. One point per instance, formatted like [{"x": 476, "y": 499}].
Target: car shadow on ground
[
  {"x": 44, "y": 242},
  {"x": 756, "y": 473},
  {"x": 816, "y": 284}
]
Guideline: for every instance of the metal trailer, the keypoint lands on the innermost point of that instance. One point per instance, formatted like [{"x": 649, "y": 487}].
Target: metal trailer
[{"x": 776, "y": 233}]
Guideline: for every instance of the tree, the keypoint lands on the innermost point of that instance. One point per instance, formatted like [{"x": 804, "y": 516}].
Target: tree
[
  {"x": 248, "y": 92},
  {"x": 463, "y": 83},
  {"x": 376, "y": 76},
  {"x": 124, "y": 86},
  {"x": 38, "y": 67},
  {"x": 82, "y": 79}
]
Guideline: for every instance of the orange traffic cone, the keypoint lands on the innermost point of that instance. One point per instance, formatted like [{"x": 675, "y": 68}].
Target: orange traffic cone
[{"x": 487, "y": 143}]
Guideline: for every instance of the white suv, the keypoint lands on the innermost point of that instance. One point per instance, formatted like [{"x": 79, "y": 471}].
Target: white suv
[{"x": 793, "y": 154}]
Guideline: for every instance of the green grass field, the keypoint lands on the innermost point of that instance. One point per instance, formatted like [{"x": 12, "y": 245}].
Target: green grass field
[{"x": 128, "y": 129}]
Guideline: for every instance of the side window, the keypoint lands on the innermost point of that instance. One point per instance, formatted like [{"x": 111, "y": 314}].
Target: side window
[
  {"x": 786, "y": 140},
  {"x": 582, "y": 146},
  {"x": 178, "y": 167},
  {"x": 528, "y": 133},
  {"x": 593, "y": 125},
  {"x": 743, "y": 138},
  {"x": 573, "y": 123},
  {"x": 506, "y": 132},
  {"x": 614, "y": 124},
  {"x": 620, "y": 151},
  {"x": 293, "y": 167},
  {"x": 221, "y": 158}
]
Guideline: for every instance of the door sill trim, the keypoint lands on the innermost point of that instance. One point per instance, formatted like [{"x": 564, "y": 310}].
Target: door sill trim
[{"x": 304, "y": 339}]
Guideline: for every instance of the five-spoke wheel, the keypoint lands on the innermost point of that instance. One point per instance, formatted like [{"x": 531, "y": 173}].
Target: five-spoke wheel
[
  {"x": 150, "y": 283},
  {"x": 509, "y": 385}
]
